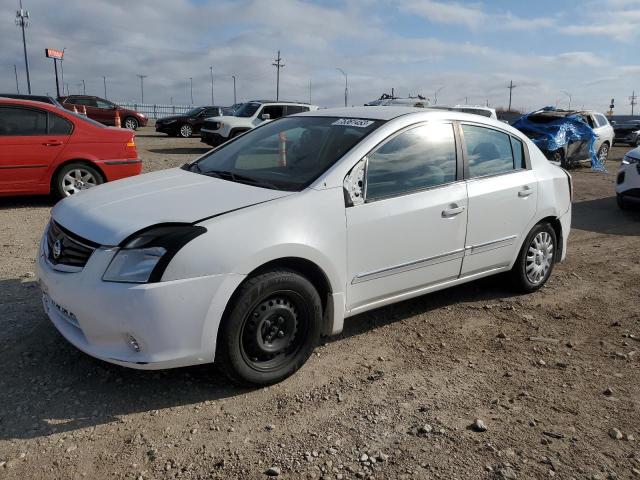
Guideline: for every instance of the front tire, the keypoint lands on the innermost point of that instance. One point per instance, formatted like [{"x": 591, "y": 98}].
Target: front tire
[
  {"x": 131, "y": 123},
  {"x": 74, "y": 177},
  {"x": 270, "y": 329},
  {"x": 535, "y": 261}
]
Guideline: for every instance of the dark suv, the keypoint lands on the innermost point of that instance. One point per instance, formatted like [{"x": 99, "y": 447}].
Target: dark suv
[
  {"x": 190, "y": 122},
  {"x": 35, "y": 98},
  {"x": 104, "y": 111}
]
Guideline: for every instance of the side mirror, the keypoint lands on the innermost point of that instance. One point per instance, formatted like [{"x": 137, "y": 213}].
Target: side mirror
[
  {"x": 265, "y": 116},
  {"x": 353, "y": 184}
]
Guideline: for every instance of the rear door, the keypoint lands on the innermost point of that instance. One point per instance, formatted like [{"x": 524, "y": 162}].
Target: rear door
[
  {"x": 502, "y": 191},
  {"x": 30, "y": 142}
]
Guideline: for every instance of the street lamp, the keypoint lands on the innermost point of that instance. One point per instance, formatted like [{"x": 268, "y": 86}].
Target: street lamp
[
  {"x": 234, "y": 89},
  {"x": 211, "y": 70},
  {"x": 22, "y": 20},
  {"x": 346, "y": 85},
  {"x": 191, "y": 80},
  {"x": 142, "y": 77},
  {"x": 568, "y": 95},
  {"x": 435, "y": 95}
]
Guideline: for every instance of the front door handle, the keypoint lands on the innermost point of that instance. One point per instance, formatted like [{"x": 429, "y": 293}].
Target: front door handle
[
  {"x": 52, "y": 143},
  {"x": 525, "y": 192},
  {"x": 452, "y": 211}
]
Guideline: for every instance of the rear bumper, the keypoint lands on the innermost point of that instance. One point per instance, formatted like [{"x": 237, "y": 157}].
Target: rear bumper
[{"x": 117, "y": 169}]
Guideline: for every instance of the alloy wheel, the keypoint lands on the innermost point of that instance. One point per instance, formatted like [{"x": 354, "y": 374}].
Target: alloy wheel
[
  {"x": 539, "y": 258},
  {"x": 76, "y": 180},
  {"x": 131, "y": 123},
  {"x": 603, "y": 153},
  {"x": 186, "y": 131}
]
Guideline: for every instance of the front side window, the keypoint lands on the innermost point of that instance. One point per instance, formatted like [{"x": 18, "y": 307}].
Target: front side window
[
  {"x": 87, "y": 102},
  {"x": 211, "y": 112},
  {"x": 488, "y": 151},
  {"x": 104, "y": 104},
  {"x": 288, "y": 154},
  {"x": 419, "y": 158},
  {"x": 17, "y": 121}
]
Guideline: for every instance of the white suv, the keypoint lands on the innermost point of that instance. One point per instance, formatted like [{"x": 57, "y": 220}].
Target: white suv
[{"x": 217, "y": 130}]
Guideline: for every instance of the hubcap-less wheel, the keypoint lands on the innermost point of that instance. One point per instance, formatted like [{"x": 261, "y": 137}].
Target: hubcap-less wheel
[
  {"x": 274, "y": 331},
  {"x": 539, "y": 258},
  {"x": 186, "y": 131},
  {"x": 76, "y": 180},
  {"x": 131, "y": 123}
]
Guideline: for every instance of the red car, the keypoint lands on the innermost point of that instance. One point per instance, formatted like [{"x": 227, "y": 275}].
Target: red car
[
  {"x": 104, "y": 111},
  {"x": 46, "y": 149}
]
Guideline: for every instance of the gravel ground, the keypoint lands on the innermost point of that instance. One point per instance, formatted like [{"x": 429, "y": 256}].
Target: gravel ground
[{"x": 553, "y": 377}]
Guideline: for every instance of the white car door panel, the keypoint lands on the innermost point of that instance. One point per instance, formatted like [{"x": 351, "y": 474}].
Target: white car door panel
[{"x": 404, "y": 243}]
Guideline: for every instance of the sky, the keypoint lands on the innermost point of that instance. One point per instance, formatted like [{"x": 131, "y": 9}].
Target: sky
[{"x": 465, "y": 51}]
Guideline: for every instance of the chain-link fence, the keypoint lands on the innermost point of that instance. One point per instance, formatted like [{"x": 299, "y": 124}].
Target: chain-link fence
[{"x": 153, "y": 110}]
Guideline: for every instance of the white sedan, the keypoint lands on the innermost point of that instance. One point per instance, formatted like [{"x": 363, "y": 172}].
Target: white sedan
[{"x": 251, "y": 253}]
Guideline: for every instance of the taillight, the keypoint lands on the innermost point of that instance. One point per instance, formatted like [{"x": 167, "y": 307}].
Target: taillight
[{"x": 132, "y": 142}]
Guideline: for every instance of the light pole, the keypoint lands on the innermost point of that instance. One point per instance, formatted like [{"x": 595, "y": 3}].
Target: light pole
[
  {"x": 15, "y": 70},
  {"x": 142, "y": 77},
  {"x": 435, "y": 95},
  {"x": 84, "y": 88},
  {"x": 234, "y": 89},
  {"x": 104, "y": 81},
  {"x": 22, "y": 20},
  {"x": 62, "y": 68},
  {"x": 191, "y": 81},
  {"x": 568, "y": 95},
  {"x": 278, "y": 64},
  {"x": 211, "y": 70},
  {"x": 346, "y": 85}
]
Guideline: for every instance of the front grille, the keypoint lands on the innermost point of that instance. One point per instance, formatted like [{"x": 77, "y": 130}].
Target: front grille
[
  {"x": 65, "y": 248},
  {"x": 210, "y": 125}
]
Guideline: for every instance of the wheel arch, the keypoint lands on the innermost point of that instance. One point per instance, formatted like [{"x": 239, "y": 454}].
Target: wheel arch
[
  {"x": 84, "y": 161},
  {"x": 557, "y": 228}
]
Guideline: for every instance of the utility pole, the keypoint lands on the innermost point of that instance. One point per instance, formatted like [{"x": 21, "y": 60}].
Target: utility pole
[
  {"x": 22, "y": 20},
  {"x": 142, "y": 77},
  {"x": 568, "y": 95},
  {"x": 633, "y": 101},
  {"x": 511, "y": 87},
  {"x": 309, "y": 90},
  {"x": 278, "y": 66},
  {"x": 84, "y": 88},
  {"x": 191, "y": 81},
  {"x": 211, "y": 70},
  {"x": 346, "y": 85},
  {"x": 15, "y": 70},
  {"x": 435, "y": 95},
  {"x": 62, "y": 68},
  {"x": 234, "y": 89},
  {"x": 104, "y": 81}
]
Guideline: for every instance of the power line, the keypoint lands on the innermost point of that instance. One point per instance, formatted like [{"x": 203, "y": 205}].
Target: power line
[{"x": 278, "y": 64}]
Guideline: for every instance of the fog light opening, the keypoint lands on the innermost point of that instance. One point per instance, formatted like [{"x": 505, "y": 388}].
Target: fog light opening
[{"x": 133, "y": 343}]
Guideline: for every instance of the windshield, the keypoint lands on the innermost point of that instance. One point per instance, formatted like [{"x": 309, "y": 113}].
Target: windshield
[
  {"x": 286, "y": 154},
  {"x": 247, "y": 109},
  {"x": 193, "y": 112}
]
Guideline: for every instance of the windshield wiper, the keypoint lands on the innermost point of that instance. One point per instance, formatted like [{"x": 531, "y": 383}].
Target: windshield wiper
[
  {"x": 190, "y": 167},
  {"x": 237, "y": 177}
]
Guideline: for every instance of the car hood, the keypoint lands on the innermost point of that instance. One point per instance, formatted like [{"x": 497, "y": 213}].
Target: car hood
[
  {"x": 111, "y": 212},
  {"x": 635, "y": 153}
]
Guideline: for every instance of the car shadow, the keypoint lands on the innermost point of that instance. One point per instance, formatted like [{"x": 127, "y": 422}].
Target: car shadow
[
  {"x": 602, "y": 215},
  {"x": 47, "y": 386},
  {"x": 27, "y": 201},
  {"x": 181, "y": 150}
]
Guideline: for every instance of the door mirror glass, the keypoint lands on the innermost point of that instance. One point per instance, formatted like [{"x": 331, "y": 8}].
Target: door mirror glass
[{"x": 354, "y": 184}]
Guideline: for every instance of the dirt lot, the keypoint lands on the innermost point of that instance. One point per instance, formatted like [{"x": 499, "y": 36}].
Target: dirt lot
[{"x": 392, "y": 397}]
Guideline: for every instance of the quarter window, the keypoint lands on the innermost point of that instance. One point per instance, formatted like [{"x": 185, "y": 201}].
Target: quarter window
[
  {"x": 292, "y": 109},
  {"x": 15, "y": 121},
  {"x": 489, "y": 151},
  {"x": 59, "y": 125},
  {"x": 419, "y": 158}
]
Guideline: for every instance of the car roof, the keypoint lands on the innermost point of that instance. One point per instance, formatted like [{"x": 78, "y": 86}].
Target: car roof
[
  {"x": 28, "y": 103},
  {"x": 370, "y": 112}
]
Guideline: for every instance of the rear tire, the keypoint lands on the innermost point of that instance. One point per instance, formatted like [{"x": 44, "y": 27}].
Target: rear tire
[
  {"x": 74, "y": 177},
  {"x": 186, "y": 130},
  {"x": 535, "y": 261},
  {"x": 270, "y": 329}
]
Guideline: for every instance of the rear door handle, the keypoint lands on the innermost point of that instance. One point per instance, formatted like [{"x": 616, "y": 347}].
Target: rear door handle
[
  {"x": 52, "y": 143},
  {"x": 525, "y": 192},
  {"x": 452, "y": 211}
]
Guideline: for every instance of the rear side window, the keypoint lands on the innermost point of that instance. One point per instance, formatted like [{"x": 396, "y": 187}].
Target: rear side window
[
  {"x": 88, "y": 102},
  {"x": 518, "y": 154},
  {"x": 601, "y": 120},
  {"x": 16, "y": 121},
  {"x": 59, "y": 125},
  {"x": 419, "y": 158},
  {"x": 488, "y": 151},
  {"x": 292, "y": 109}
]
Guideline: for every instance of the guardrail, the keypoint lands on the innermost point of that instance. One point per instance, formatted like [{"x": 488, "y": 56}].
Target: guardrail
[{"x": 154, "y": 110}]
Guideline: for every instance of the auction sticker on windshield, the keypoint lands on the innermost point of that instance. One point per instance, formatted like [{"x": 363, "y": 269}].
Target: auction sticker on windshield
[{"x": 353, "y": 122}]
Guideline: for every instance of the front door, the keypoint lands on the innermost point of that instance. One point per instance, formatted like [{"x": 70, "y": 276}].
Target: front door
[
  {"x": 502, "y": 191},
  {"x": 409, "y": 232}
]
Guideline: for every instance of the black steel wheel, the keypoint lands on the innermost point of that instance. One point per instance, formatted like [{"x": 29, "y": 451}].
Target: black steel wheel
[{"x": 270, "y": 329}]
